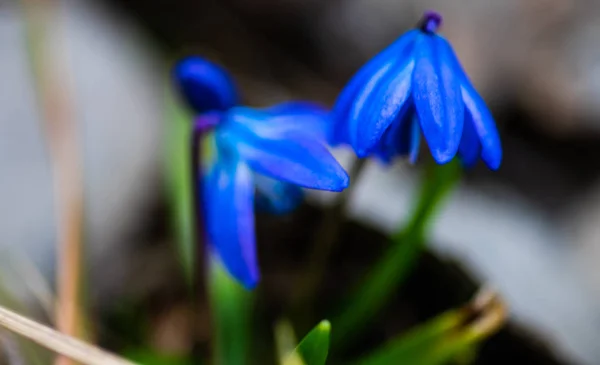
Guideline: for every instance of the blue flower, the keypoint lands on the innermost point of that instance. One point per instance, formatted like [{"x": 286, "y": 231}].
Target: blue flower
[
  {"x": 273, "y": 151},
  {"x": 416, "y": 86}
]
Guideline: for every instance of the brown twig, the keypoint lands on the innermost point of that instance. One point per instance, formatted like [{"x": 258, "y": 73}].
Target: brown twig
[
  {"x": 61, "y": 132},
  {"x": 60, "y": 343}
]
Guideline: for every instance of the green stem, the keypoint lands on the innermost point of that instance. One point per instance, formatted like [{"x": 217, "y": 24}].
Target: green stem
[
  {"x": 231, "y": 307},
  {"x": 398, "y": 260},
  {"x": 196, "y": 182},
  {"x": 230, "y": 302}
]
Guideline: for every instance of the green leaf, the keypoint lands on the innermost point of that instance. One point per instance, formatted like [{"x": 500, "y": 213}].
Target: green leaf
[
  {"x": 231, "y": 305},
  {"x": 314, "y": 348},
  {"x": 285, "y": 340},
  {"x": 414, "y": 346},
  {"x": 388, "y": 274},
  {"x": 177, "y": 172},
  {"x": 452, "y": 336},
  {"x": 150, "y": 357}
]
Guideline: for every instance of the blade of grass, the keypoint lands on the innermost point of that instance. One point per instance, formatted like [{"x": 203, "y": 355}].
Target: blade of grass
[
  {"x": 178, "y": 178},
  {"x": 150, "y": 357},
  {"x": 394, "y": 266},
  {"x": 285, "y": 340},
  {"x": 407, "y": 349},
  {"x": 487, "y": 313},
  {"x": 312, "y": 350},
  {"x": 445, "y": 338}
]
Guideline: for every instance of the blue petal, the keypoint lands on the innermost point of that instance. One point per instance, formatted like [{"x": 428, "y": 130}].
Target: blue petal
[
  {"x": 383, "y": 107},
  {"x": 229, "y": 211},
  {"x": 354, "y": 94},
  {"x": 304, "y": 117},
  {"x": 483, "y": 121},
  {"x": 438, "y": 99},
  {"x": 276, "y": 196},
  {"x": 204, "y": 85},
  {"x": 297, "y": 108},
  {"x": 415, "y": 140},
  {"x": 396, "y": 139},
  {"x": 282, "y": 154},
  {"x": 491, "y": 148},
  {"x": 280, "y": 121},
  {"x": 470, "y": 147}
]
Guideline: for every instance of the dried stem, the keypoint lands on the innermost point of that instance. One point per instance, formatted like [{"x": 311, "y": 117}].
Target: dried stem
[
  {"x": 61, "y": 132},
  {"x": 55, "y": 341},
  {"x": 487, "y": 314}
]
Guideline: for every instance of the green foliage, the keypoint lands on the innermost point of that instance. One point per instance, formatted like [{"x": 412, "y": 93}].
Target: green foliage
[
  {"x": 315, "y": 346},
  {"x": 392, "y": 269},
  {"x": 450, "y": 336},
  {"x": 151, "y": 357},
  {"x": 313, "y": 349},
  {"x": 178, "y": 177},
  {"x": 414, "y": 347},
  {"x": 285, "y": 339},
  {"x": 442, "y": 339}
]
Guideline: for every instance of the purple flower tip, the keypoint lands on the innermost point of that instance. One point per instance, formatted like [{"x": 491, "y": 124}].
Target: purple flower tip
[
  {"x": 431, "y": 21},
  {"x": 206, "y": 122}
]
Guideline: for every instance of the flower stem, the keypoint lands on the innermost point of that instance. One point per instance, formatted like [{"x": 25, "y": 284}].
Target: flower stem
[
  {"x": 231, "y": 316},
  {"x": 198, "y": 268},
  {"x": 196, "y": 184},
  {"x": 324, "y": 243}
]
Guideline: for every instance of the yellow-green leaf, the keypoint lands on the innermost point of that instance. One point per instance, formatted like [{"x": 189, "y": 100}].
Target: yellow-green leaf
[{"x": 314, "y": 348}]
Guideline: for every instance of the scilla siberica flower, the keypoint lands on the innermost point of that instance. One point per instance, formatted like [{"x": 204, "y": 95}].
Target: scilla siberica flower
[
  {"x": 275, "y": 150},
  {"x": 415, "y": 86}
]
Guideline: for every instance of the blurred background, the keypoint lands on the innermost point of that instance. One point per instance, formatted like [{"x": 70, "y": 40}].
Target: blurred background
[{"x": 531, "y": 230}]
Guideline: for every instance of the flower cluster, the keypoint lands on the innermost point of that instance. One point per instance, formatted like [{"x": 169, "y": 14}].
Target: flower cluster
[{"x": 414, "y": 87}]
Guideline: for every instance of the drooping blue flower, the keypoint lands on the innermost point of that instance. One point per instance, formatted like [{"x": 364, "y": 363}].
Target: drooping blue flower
[
  {"x": 272, "y": 152},
  {"x": 416, "y": 86}
]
